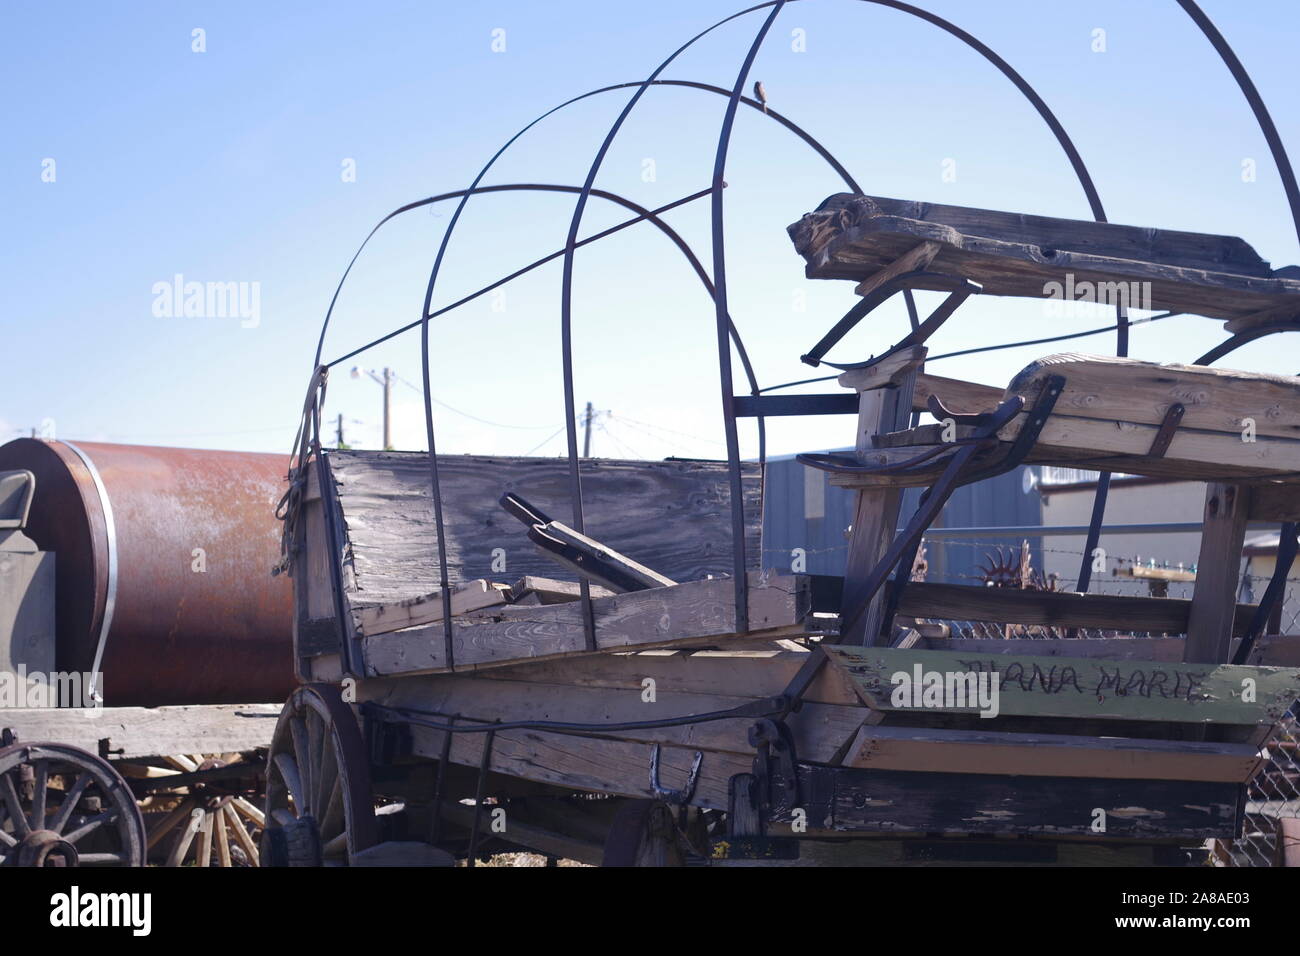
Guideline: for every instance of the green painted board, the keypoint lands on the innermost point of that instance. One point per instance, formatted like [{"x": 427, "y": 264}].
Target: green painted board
[{"x": 1023, "y": 685}]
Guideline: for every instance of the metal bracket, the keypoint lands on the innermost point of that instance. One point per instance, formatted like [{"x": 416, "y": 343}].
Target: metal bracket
[
  {"x": 678, "y": 798},
  {"x": 776, "y": 779},
  {"x": 959, "y": 289},
  {"x": 1165, "y": 434}
]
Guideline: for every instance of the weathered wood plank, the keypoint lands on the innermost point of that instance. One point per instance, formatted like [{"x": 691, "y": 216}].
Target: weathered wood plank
[
  {"x": 1281, "y": 650},
  {"x": 1274, "y": 501},
  {"x": 587, "y": 763},
  {"x": 1223, "y": 529},
  {"x": 1050, "y": 755},
  {"x": 778, "y": 604},
  {"x": 672, "y": 515},
  {"x": 820, "y": 730},
  {"x": 754, "y": 674},
  {"x": 918, "y": 257},
  {"x": 531, "y": 589},
  {"x": 1084, "y": 688},
  {"x": 1123, "y": 389},
  {"x": 917, "y": 853},
  {"x": 427, "y": 608},
  {"x": 853, "y": 236},
  {"x": 962, "y": 602},
  {"x": 856, "y": 800},
  {"x": 150, "y": 731}
]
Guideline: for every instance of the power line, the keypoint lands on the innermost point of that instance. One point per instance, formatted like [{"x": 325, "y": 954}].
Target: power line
[{"x": 482, "y": 421}]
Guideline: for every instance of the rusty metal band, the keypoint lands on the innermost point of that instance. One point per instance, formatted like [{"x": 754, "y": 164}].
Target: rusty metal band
[{"x": 110, "y": 595}]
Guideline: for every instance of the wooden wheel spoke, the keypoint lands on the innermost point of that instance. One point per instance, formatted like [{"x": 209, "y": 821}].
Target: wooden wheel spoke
[
  {"x": 203, "y": 855},
  {"x": 169, "y": 822},
  {"x": 288, "y": 768},
  {"x": 181, "y": 845},
  {"x": 222, "y": 838},
  {"x": 319, "y": 744},
  {"x": 250, "y": 811},
  {"x": 11, "y": 801},
  {"x": 335, "y": 847},
  {"x": 91, "y": 825},
  {"x": 283, "y": 817},
  {"x": 332, "y": 820},
  {"x": 241, "y": 835},
  {"x": 40, "y": 788},
  {"x": 70, "y": 800},
  {"x": 302, "y": 757}
]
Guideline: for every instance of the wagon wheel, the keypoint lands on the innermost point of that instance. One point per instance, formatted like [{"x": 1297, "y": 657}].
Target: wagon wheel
[
  {"x": 319, "y": 809},
  {"x": 62, "y": 806},
  {"x": 208, "y": 825},
  {"x": 643, "y": 833}
]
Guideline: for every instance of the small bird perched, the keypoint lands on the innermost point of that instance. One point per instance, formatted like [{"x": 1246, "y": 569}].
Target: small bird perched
[{"x": 760, "y": 94}]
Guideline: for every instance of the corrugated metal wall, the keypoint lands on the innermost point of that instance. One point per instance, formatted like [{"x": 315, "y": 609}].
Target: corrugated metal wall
[{"x": 801, "y": 509}]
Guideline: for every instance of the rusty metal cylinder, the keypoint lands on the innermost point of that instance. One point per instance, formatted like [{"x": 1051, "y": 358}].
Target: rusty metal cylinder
[{"x": 163, "y": 562}]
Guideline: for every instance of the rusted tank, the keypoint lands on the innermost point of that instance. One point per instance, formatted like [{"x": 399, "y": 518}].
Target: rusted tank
[{"x": 163, "y": 568}]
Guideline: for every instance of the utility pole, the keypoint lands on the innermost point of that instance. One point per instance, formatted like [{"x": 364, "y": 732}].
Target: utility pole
[
  {"x": 338, "y": 443},
  {"x": 586, "y": 439},
  {"x": 387, "y": 382},
  {"x": 388, "y": 400}
]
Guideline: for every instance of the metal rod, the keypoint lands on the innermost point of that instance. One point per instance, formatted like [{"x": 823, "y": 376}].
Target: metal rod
[
  {"x": 740, "y": 577},
  {"x": 484, "y": 765}
]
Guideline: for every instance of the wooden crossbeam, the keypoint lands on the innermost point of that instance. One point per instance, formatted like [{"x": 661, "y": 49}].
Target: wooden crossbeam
[
  {"x": 1080, "y": 687},
  {"x": 778, "y": 605},
  {"x": 961, "y": 602},
  {"x": 426, "y": 609}
]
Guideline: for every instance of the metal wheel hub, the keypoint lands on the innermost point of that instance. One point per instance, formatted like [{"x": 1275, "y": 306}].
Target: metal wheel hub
[{"x": 42, "y": 848}]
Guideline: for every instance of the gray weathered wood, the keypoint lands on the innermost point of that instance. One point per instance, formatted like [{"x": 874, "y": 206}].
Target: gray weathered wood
[
  {"x": 672, "y": 515},
  {"x": 1050, "y": 755},
  {"x": 150, "y": 731},
  {"x": 1210, "y": 620},
  {"x": 778, "y": 604},
  {"x": 853, "y": 236},
  {"x": 1079, "y": 687},
  {"x": 963, "y": 602}
]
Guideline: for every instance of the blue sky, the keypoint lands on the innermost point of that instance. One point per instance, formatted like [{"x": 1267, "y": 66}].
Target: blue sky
[{"x": 227, "y": 166}]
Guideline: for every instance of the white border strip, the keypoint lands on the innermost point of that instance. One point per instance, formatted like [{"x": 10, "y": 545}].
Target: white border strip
[{"x": 110, "y": 601}]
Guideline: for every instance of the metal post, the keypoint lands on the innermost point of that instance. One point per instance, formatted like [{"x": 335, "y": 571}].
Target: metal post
[{"x": 388, "y": 401}]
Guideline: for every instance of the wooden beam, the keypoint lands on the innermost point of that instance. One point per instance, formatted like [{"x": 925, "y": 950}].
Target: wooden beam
[
  {"x": 150, "y": 731},
  {"x": 1210, "y": 621},
  {"x": 892, "y": 369},
  {"x": 1277, "y": 650},
  {"x": 851, "y": 799},
  {"x": 852, "y": 236},
  {"x": 820, "y": 730},
  {"x": 751, "y": 673},
  {"x": 875, "y": 514},
  {"x": 1274, "y": 501},
  {"x": 961, "y": 602},
  {"x": 1122, "y": 389},
  {"x": 427, "y": 608},
  {"x": 778, "y": 605},
  {"x": 1077, "y": 687},
  {"x": 531, "y": 589},
  {"x": 1050, "y": 755},
  {"x": 918, "y": 257},
  {"x": 955, "y": 394},
  {"x": 593, "y": 764}
]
